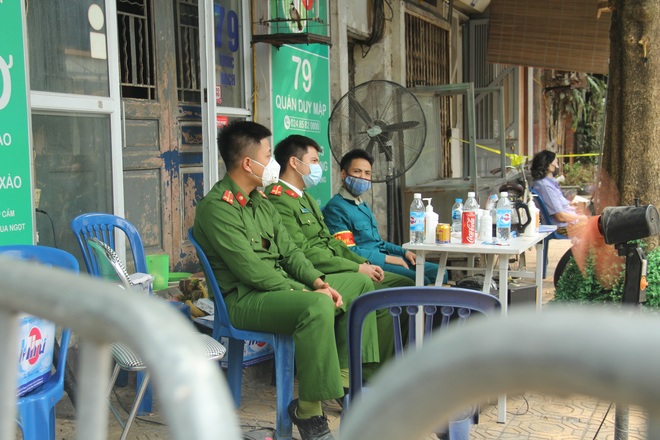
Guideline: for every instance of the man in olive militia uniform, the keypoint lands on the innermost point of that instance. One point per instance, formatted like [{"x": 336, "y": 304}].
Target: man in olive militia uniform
[{"x": 267, "y": 282}]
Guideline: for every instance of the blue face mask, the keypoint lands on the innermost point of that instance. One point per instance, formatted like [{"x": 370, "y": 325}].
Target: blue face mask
[
  {"x": 315, "y": 174},
  {"x": 356, "y": 185}
]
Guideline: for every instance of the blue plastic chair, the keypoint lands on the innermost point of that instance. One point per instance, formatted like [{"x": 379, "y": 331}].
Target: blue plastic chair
[
  {"x": 282, "y": 346},
  {"x": 36, "y": 410},
  {"x": 102, "y": 226},
  {"x": 545, "y": 220},
  {"x": 404, "y": 302}
]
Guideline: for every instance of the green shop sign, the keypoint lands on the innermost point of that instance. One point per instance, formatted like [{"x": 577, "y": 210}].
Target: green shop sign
[
  {"x": 301, "y": 102},
  {"x": 16, "y": 212}
]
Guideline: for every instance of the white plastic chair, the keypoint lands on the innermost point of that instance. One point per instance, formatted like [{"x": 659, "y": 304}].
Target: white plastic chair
[{"x": 195, "y": 401}]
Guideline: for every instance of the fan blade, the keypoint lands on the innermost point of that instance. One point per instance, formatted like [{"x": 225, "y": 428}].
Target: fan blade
[
  {"x": 400, "y": 126},
  {"x": 370, "y": 146},
  {"x": 386, "y": 148},
  {"x": 357, "y": 107}
]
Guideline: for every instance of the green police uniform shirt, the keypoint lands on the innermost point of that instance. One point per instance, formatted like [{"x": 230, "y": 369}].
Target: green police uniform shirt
[
  {"x": 246, "y": 243},
  {"x": 303, "y": 220}
]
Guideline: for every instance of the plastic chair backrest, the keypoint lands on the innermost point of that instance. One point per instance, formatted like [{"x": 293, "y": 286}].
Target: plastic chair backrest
[
  {"x": 221, "y": 316},
  {"x": 109, "y": 264},
  {"x": 545, "y": 217},
  {"x": 102, "y": 226},
  {"x": 496, "y": 356},
  {"x": 49, "y": 393},
  {"x": 449, "y": 303}
]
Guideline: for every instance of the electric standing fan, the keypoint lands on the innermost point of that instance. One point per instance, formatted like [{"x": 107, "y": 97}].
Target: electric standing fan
[{"x": 386, "y": 120}]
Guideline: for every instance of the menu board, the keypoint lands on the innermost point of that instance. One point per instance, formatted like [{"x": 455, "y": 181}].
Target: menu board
[{"x": 16, "y": 209}]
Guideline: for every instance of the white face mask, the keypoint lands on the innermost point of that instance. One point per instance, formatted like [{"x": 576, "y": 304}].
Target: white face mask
[{"x": 271, "y": 172}]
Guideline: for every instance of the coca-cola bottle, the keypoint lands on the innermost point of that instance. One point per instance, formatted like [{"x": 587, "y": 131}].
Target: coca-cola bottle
[{"x": 469, "y": 224}]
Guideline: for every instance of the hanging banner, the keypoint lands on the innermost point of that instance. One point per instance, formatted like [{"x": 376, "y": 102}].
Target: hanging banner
[
  {"x": 301, "y": 102},
  {"x": 16, "y": 209}
]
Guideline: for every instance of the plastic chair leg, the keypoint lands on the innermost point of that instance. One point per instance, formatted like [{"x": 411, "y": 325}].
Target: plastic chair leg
[
  {"x": 235, "y": 369},
  {"x": 284, "y": 362},
  {"x": 146, "y": 404},
  {"x": 37, "y": 421}
]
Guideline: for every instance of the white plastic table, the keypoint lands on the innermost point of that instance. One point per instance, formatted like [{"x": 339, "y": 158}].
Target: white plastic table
[{"x": 516, "y": 246}]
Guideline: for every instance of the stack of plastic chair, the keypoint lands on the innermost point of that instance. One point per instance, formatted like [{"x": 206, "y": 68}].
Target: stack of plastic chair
[
  {"x": 282, "y": 346},
  {"x": 194, "y": 399},
  {"x": 36, "y": 410},
  {"x": 111, "y": 267},
  {"x": 545, "y": 220},
  {"x": 105, "y": 227},
  {"x": 437, "y": 307}
]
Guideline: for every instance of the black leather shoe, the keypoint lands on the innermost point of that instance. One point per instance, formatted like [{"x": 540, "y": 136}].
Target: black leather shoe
[{"x": 314, "y": 428}]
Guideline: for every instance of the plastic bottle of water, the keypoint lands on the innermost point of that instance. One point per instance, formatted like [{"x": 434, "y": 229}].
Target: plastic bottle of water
[
  {"x": 504, "y": 218},
  {"x": 456, "y": 218},
  {"x": 417, "y": 219},
  {"x": 469, "y": 225},
  {"x": 491, "y": 205}
]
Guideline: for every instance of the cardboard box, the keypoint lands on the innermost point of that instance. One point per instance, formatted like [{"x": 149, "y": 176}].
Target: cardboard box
[
  {"x": 253, "y": 352},
  {"x": 35, "y": 362}
]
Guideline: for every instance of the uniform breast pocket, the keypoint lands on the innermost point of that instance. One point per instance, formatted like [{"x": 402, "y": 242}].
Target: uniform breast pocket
[
  {"x": 362, "y": 226},
  {"x": 263, "y": 240},
  {"x": 307, "y": 220}
]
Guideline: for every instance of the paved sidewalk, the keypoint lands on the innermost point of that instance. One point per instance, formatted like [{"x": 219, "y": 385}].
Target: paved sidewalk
[{"x": 530, "y": 416}]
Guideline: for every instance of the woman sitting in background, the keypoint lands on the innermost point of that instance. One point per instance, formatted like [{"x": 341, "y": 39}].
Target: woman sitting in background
[{"x": 545, "y": 167}]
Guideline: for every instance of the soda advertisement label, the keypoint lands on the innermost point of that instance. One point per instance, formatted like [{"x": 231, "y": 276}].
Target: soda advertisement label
[
  {"x": 301, "y": 102},
  {"x": 35, "y": 359},
  {"x": 16, "y": 213}
]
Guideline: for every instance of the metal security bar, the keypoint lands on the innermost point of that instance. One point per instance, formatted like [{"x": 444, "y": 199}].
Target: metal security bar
[
  {"x": 188, "y": 78},
  {"x": 190, "y": 388},
  {"x": 136, "y": 52}
]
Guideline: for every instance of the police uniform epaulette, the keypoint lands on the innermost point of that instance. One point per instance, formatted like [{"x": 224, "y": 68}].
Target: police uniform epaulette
[
  {"x": 242, "y": 200},
  {"x": 262, "y": 194},
  {"x": 276, "y": 190},
  {"x": 228, "y": 197},
  {"x": 291, "y": 193}
]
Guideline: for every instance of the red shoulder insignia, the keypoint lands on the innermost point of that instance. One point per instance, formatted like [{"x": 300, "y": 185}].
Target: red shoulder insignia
[
  {"x": 291, "y": 193},
  {"x": 277, "y": 190},
  {"x": 241, "y": 199},
  {"x": 262, "y": 194},
  {"x": 228, "y": 197}
]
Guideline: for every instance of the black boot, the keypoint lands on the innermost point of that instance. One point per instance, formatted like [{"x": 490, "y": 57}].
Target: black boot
[{"x": 314, "y": 428}]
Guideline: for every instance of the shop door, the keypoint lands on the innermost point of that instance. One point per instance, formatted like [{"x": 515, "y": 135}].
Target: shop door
[{"x": 146, "y": 44}]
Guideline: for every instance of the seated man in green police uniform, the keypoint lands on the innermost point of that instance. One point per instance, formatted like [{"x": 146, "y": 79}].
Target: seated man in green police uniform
[
  {"x": 268, "y": 283},
  {"x": 298, "y": 157}
]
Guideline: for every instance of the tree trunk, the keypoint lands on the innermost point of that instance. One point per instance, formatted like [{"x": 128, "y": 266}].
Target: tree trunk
[{"x": 631, "y": 154}]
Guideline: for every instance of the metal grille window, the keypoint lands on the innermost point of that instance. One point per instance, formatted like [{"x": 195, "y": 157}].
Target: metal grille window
[
  {"x": 188, "y": 78},
  {"x": 427, "y": 53},
  {"x": 136, "y": 53},
  {"x": 427, "y": 64}
]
